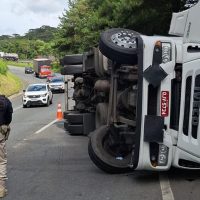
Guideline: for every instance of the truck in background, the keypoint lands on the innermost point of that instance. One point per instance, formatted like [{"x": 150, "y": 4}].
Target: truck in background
[
  {"x": 1, "y": 54},
  {"x": 9, "y": 56},
  {"x": 42, "y": 67}
]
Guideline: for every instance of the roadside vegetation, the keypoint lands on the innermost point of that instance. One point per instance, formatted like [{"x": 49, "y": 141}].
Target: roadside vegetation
[
  {"x": 84, "y": 20},
  {"x": 20, "y": 63},
  {"x": 9, "y": 83}
]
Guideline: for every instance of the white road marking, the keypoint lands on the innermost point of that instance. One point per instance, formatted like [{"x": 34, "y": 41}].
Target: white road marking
[
  {"x": 45, "y": 127},
  {"x": 18, "y": 145},
  {"x": 167, "y": 193},
  {"x": 37, "y": 132},
  {"x": 17, "y": 108}
]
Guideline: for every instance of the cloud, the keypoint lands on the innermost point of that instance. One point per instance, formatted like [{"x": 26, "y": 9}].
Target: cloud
[
  {"x": 38, "y": 6},
  {"x": 22, "y": 15}
]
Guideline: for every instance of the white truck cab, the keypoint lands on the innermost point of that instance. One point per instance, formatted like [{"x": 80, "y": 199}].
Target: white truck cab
[{"x": 178, "y": 95}]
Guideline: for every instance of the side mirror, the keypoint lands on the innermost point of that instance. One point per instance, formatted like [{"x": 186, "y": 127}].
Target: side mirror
[
  {"x": 24, "y": 90},
  {"x": 66, "y": 82}
]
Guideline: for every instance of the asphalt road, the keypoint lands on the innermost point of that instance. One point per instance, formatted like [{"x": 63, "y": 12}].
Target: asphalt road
[{"x": 45, "y": 163}]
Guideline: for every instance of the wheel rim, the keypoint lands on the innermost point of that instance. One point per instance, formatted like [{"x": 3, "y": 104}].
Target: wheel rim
[
  {"x": 116, "y": 150},
  {"x": 124, "y": 39}
]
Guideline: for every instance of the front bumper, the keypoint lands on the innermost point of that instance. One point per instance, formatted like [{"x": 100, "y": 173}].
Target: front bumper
[
  {"x": 57, "y": 88},
  {"x": 35, "y": 101}
]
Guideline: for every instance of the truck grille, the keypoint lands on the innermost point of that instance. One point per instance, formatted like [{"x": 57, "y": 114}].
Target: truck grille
[{"x": 187, "y": 105}]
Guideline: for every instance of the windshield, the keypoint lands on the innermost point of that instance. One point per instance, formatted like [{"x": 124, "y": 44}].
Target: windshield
[
  {"x": 36, "y": 88},
  {"x": 55, "y": 80}
]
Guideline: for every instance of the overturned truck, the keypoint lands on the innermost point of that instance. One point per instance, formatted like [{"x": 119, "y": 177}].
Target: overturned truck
[{"x": 142, "y": 94}]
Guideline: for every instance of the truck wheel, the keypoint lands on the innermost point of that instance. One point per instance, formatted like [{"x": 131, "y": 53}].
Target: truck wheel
[
  {"x": 119, "y": 45},
  {"x": 101, "y": 114},
  {"x": 75, "y": 118},
  {"x": 72, "y": 69},
  {"x": 105, "y": 157},
  {"x": 75, "y": 59},
  {"x": 76, "y": 129}
]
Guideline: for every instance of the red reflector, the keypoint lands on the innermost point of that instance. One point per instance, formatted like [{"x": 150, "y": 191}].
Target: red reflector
[{"x": 164, "y": 103}]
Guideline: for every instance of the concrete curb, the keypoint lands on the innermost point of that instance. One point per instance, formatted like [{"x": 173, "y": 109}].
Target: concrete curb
[{"x": 15, "y": 95}]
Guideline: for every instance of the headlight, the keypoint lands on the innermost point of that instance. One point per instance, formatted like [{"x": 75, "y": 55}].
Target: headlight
[
  {"x": 166, "y": 52},
  {"x": 163, "y": 155},
  {"x": 43, "y": 95}
]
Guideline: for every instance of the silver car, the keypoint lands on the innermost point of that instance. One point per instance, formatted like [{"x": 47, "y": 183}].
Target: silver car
[{"x": 57, "y": 84}]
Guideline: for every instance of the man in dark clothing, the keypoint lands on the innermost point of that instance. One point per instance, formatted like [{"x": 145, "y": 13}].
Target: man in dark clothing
[{"x": 6, "y": 111}]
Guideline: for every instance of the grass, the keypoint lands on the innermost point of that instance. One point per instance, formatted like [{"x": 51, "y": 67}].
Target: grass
[
  {"x": 3, "y": 67},
  {"x": 9, "y": 84},
  {"x": 56, "y": 67}
]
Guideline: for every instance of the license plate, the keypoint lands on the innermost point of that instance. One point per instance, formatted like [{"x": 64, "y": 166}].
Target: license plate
[
  {"x": 164, "y": 103},
  {"x": 34, "y": 99}
]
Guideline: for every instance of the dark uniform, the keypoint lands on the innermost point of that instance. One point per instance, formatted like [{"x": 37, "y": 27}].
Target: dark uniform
[{"x": 6, "y": 111}]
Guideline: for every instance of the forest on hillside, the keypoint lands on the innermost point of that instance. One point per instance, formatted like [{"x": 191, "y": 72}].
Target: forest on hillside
[{"x": 84, "y": 20}]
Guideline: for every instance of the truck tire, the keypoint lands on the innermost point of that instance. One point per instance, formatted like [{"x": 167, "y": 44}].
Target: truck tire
[
  {"x": 100, "y": 155},
  {"x": 75, "y": 59},
  {"x": 101, "y": 114},
  {"x": 75, "y": 129},
  {"x": 66, "y": 125},
  {"x": 119, "y": 45},
  {"x": 72, "y": 69},
  {"x": 75, "y": 118},
  {"x": 65, "y": 113}
]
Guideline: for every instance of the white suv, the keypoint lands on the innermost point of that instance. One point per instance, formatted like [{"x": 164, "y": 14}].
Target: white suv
[{"x": 37, "y": 94}]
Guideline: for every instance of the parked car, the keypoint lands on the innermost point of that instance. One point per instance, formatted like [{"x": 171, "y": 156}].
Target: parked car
[
  {"x": 37, "y": 94},
  {"x": 28, "y": 70},
  {"x": 57, "y": 84}
]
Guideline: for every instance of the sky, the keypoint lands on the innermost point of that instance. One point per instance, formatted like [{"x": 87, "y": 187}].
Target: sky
[{"x": 18, "y": 16}]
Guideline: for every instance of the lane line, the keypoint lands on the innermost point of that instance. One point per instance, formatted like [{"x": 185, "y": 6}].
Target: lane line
[
  {"x": 167, "y": 193},
  {"x": 37, "y": 132},
  {"x": 17, "y": 108},
  {"x": 45, "y": 127}
]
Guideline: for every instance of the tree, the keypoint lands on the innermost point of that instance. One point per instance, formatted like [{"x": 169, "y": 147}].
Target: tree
[
  {"x": 44, "y": 33},
  {"x": 82, "y": 23}
]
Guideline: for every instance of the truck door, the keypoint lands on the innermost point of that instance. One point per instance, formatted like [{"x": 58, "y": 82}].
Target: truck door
[{"x": 189, "y": 126}]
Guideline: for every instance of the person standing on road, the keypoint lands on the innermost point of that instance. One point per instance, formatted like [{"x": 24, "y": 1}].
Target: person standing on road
[{"x": 6, "y": 111}]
